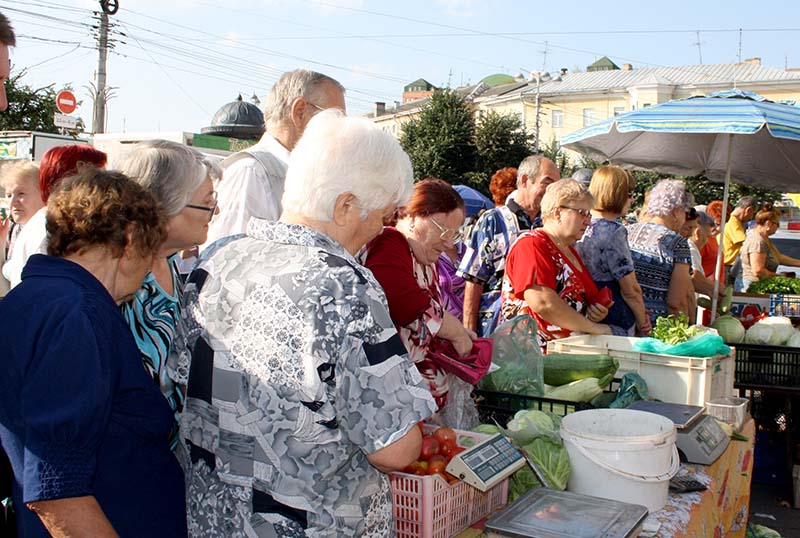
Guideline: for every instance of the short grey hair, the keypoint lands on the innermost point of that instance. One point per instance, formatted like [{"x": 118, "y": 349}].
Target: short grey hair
[
  {"x": 298, "y": 83},
  {"x": 746, "y": 201},
  {"x": 529, "y": 167},
  {"x": 704, "y": 219},
  {"x": 19, "y": 171},
  {"x": 171, "y": 171},
  {"x": 667, "y": 196},
  {"x": 339, "y": 154},
  {"x": 563, "y": 192}
]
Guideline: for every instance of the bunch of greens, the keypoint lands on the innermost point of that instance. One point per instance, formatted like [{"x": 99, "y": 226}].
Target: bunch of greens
[
  {"x": 775, "y": 284},
  {"x": 674, "y": 329}
]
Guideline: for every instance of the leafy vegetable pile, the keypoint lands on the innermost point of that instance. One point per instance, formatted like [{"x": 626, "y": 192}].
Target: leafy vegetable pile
[
  {"x": 537, "y": 433},
  {"x": 674, "y": 329},
  {"x": 775, "y": 284}
]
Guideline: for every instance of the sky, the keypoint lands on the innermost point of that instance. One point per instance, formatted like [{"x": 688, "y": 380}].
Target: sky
[{"x": 175, "y": 62}]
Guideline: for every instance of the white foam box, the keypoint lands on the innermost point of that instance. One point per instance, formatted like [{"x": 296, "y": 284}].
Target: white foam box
[{"x": 669, "y": 378}]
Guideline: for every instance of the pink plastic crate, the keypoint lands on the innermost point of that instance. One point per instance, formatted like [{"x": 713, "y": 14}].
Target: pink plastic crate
[{"x": 429, "y": 507}]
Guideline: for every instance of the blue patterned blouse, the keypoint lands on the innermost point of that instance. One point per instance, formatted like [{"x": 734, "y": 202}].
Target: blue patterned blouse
[
  {"x": 153, "y": 315},
  {"x": 655, "y": 250}
]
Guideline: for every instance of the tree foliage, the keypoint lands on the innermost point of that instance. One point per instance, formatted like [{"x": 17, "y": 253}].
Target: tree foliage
[
  {"x": 446, "y": 142},
  {"x": 31, "y": 109},
  {"x": 440, "y": 142},
  {"x": 500, "y": 141}
]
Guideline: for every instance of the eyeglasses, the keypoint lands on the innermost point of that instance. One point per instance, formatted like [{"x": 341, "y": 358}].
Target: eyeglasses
[
  {"x": 211, "y": 209},
  {"x": 585, "y": 213},
  {"x": 448, "y": 234}
]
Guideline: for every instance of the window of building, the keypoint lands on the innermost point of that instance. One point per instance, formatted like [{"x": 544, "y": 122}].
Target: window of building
[
  {"x": 619, "y": 110},
  {"x": 588, "y": 116},
  {"x": 645, "y": 105},
  {"x": 558, "y": 118}
]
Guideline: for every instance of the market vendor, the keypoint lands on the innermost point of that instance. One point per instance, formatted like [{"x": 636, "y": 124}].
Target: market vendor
[
  {"x": 760, "y": 258},
  {"x": 545, "y": 276}
]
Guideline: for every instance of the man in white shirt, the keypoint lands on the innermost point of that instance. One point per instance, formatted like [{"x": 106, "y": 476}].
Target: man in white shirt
[{"x": 252, "y": 182}]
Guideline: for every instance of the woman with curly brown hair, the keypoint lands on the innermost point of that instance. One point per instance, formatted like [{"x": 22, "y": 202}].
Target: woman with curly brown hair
[
  {"x": 504, "y": 182},
  {"x": 83, "y": 424}
]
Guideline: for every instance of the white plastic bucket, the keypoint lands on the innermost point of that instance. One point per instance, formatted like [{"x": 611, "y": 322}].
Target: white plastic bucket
[{"x": 620, "y": 454}]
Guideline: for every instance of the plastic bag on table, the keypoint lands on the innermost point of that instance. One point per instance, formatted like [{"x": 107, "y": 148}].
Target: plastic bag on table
[
  {"x": 704, "y": 345},
  {"x": 517, "y": 355},
  {"x": 632, "y": 388},
  {"x": 459, "y": 412}
]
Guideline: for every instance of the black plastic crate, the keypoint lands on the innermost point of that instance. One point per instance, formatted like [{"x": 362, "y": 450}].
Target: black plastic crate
[
  {"x": 775, "y": 368},
  {"x": 782, "y": 304},
  {"x": 774, "y": 411},
  {"x": 501, "y": 406}
]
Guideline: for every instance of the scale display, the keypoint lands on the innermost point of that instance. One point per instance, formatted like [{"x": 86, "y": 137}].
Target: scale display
[
  {"x": 487, "y": 463},
  {"x": 703, "y": 441}
]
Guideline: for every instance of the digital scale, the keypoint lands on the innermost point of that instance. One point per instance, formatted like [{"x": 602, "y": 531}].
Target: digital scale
[
  {"x": 487, "y": 463},
  {"x": 700, "y": 439}
]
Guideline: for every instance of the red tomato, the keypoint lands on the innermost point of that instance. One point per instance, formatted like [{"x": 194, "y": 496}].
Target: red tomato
[
  {"x": 436, "y": 466},
  {"x": 444, "y": 435},
  {"x": 458, "y": 450},
  {"x": 446, "y": 448},
  {"x": 430, "y": 447}
]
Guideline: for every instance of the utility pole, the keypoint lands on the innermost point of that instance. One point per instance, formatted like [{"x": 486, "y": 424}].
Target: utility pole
[
  {"x": 537, "y": 118},
  {"x": 699, "y": 45},
  {"x": 108, "y": 7}
]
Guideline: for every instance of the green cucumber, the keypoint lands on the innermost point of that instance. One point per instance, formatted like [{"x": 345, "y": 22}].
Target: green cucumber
[
  {"x": 563, "y": 368},
  {"x": 582, "y": 390}
]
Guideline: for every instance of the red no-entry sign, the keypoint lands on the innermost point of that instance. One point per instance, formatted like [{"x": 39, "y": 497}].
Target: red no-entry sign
[{"x": 66, "y": 102}]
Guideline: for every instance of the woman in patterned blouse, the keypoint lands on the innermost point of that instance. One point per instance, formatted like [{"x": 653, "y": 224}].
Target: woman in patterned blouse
[
  {"x": 180, "y": 178},
  {"x": 660, "y": 254},
  {"x": 403, "y": 259}
]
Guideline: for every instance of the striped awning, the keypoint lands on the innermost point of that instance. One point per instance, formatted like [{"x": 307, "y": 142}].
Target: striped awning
[{"x": 689, "y": 137}]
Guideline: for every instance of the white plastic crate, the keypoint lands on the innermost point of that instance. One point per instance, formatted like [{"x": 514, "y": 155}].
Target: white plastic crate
[
  {"x": 670, "y": 378},
  {"x": 429, "y": 507}
]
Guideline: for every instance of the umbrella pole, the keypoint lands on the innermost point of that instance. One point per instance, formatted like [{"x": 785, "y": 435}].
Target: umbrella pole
[{"x": 725, "y": 196}]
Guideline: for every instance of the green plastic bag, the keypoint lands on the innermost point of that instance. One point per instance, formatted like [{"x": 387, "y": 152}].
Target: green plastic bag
[
  {"x": 703, "y": 345},
  {"x": 517, "y": 355}
]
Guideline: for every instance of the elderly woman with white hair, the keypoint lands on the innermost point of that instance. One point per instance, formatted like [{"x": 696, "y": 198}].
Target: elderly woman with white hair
[
  {"x": 545, "y": 276},
  {"x": 660, "y": 254},
  {"x": 180, "y": 179},
  {"x": 301, "y": 394}
]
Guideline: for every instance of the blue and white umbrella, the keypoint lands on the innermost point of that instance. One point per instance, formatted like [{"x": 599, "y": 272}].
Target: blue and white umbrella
[
  {"x": 727, "y": 135},
  {"x": 474, "y": 201},
  {"x": 732, "y": 134}
]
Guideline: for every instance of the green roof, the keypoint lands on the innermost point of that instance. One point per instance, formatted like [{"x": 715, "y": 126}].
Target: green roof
[
  {"x": 498, "y": 79},
  {"x": 603, "y": 64},
  {"x": 419, "y": 83}
]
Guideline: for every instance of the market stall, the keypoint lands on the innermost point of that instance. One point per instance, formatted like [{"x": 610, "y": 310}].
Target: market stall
[{"x": 660, "y": 406}]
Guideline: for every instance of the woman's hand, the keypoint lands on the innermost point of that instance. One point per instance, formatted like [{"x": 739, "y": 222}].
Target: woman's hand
[
  {"x": 645, "y": 328},
  {"x": 596, "y": 312},
  {"x": 463, "y": 343}
]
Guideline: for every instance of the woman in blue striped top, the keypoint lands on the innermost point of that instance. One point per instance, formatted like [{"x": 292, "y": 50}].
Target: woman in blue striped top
[{"x": 180, "y": 178}]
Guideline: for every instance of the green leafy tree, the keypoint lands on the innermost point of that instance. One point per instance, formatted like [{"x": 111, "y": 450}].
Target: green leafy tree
[
  {"x": 440, "y": 142},
  {"x": 32, "y": 109},
  {"x": 500, "y": 141},
  {"x": 556, "y": 153}
]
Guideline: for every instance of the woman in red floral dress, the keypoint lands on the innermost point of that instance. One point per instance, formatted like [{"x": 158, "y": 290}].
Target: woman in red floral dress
[
  {"x": 545, "y": 276},
  {"x": 403, "y": 260}
]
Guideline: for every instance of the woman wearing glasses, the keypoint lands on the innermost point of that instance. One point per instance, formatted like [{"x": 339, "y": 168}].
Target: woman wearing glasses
[
  {"x": 545, "y": 276},
  {"x": 180, "y": 179},
  {"x": 403, "y": 260}
]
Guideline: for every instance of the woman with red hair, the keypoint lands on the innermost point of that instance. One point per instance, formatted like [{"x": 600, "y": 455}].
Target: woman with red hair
[
  {"x": 504, "y": 182},
  {"x": 57, "y": 163},
  {"x": 403, "y": 260}
]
